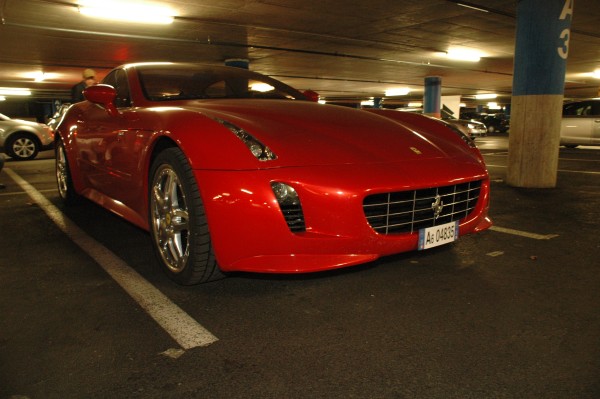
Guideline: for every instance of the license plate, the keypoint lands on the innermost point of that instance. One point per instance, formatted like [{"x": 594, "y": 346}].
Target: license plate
[{"x": 438, "y": 235}]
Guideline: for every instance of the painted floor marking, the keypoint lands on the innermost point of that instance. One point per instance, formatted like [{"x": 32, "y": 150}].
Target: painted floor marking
[
  {"x": 182, "y": 327},
  {"x": 523, "y": 233}
]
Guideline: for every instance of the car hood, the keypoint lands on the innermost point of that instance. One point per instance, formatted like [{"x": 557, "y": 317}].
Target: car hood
[{"x": 306, "y": 133}]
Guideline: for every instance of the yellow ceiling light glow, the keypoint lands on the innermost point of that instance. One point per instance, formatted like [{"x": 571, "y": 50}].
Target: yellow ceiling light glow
[
  {"x": 400, "y": 91},
  {"x": 132, "y": 11},
  {"x": 463, "y": 54},
  {"x": 14, "y": 91},
  {"x": 262, "y": 87},
  {"x": 596, "y": 73},
  {"x": 489, "y": 96}
]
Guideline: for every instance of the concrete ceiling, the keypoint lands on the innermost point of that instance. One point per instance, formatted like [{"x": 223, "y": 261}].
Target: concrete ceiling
[{"x": 343, "y": 49}]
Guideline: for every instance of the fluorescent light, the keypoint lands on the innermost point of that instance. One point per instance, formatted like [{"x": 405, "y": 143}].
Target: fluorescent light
[
  {"x": 485, "y": 96},
  {"x": 596, "y": 73},
  {"x": 133, "y": 11},
  {"x": 461, "y": 54},
  {"x": 261, "y": 87},
  {"x": 415, "y": 105},
  {"x": 367, "y": 103},
  {"x": 471, "y": 7},
  {"x": 14, "y": 91},
  {"x": 2, "y": 98},
  {"x": 400, "y": 91},
  {"x": 493, "y": 105}
]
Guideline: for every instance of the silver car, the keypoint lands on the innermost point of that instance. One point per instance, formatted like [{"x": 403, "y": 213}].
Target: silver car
[
  {"x": 469, "y": 127},
  {"x": 23, "y": 140},
  {"x": 580, "y": 123}
]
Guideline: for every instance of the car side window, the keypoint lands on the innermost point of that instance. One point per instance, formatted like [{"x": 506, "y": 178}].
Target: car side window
[
  {"x": 578, "y": 109},
  {"x": 118, "y": 80}
]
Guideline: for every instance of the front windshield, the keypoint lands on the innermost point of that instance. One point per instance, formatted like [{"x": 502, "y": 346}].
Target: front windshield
[{"x": 168, "y": 82}]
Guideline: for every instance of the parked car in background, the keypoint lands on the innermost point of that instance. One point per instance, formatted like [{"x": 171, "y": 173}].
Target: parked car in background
[
  {"x": 495, "y": 123},
  {"x": 580, "y": 123},
  {"x": 230, "y": 170},
  {"x": 22, "y": 140},
  {"x": 58, "y": 115},
  {"x": 470, "y": 127}
]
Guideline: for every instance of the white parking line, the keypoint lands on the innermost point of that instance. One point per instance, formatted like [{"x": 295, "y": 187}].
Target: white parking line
[
  {"x": 183, "y": 328},
  {"x": 523, "y": 233}
]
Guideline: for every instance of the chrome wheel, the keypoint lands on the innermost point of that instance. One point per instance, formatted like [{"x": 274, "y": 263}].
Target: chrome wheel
[
  {"x": 62, "y": 173},
  {"x": 170, "y": 219}
]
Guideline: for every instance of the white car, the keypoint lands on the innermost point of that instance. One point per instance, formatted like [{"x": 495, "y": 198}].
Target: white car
[
  {"x": 580, "y": 123},
  {"x": 23, "y": 140}
]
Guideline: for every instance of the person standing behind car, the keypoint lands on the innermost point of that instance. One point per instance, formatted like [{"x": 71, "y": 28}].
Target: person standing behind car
[{"x": 89, "y": 79}]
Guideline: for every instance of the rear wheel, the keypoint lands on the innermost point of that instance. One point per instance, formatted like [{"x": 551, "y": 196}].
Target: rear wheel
[
  {"x": 63, "y": 176},
  {"x": 178, "y": 222},
  {"x": 22, "y": 146}
]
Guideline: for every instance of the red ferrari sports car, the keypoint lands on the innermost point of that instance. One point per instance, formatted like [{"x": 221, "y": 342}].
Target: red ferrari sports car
[{"x": 230, "y": 170}]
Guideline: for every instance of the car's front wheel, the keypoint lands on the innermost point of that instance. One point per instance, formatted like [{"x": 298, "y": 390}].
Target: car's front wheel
[
  {"x": 178, "y": 222},
  {"x": 22, "y": 146}
]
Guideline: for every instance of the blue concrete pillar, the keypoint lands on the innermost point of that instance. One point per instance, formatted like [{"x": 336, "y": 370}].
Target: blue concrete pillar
[
  {"x": 238, "y": 63},
  {"x": 432, "y": 98},
  {"x": 377, "y": 102},
  {"x": 541, "y": 51}
]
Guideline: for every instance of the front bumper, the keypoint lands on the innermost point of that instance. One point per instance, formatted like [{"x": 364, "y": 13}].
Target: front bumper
[{"x": 249, "y": 232}]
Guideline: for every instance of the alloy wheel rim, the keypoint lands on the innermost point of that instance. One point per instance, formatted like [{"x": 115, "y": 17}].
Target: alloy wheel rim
[
  {"x": 24, "y": 147},
  {"x": 170, "y": 219},
  {"x": 61, "y": 172}
]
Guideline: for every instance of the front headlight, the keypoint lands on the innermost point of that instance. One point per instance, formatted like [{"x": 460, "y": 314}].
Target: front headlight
[{"x": 258, "y": 149}]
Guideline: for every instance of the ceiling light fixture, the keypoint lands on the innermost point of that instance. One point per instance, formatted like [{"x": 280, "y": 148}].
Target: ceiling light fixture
[
  {"x": 126, "y": 11},
  {"x": 596, "y": 73},
  {"x": 14, "y": 91},
  {"x": 2, "y": 98},
  {"x": 489, "y": 96},
  {"x": 461, "y": 54},
  {"x": 471, "y": 7},
  {"x": 400, "y": 91}
]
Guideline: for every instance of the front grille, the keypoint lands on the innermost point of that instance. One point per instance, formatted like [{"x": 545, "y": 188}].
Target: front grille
[{"x": 409, "y": 211}]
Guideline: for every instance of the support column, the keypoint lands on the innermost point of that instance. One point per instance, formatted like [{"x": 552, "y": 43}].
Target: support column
[
  {"x": 377, "y": 102},
  {"x": 432, "y": 98},
  {"x": 238, "y": 63},
  {"x": 541, "y": 50}
]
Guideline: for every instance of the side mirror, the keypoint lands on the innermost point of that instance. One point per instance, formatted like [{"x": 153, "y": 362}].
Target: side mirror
[
  {"x": 311, "y": 95},
  {"x": 103, "y": 95}
]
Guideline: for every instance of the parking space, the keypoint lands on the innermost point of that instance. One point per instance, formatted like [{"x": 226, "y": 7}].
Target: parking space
[{"x": 512, "y": 312}]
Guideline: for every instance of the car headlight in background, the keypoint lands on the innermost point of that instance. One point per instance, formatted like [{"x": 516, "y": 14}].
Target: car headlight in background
[
  {"x": 290, "y": 206},
  {"x": 258, "y": 149}
]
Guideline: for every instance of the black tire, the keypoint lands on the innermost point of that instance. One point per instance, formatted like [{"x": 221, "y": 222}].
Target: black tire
[
  {"x": 22, "y": 146},
  {"x": 64, "y": 180},
  {"x": 177, "y": 220}
]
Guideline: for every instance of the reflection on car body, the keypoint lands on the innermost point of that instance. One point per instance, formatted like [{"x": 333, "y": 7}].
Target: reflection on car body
[{"x": 230, "y": 170}]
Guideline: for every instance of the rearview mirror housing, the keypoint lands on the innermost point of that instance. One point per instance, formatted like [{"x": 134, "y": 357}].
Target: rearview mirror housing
[{"x": 103, "y": 95}]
